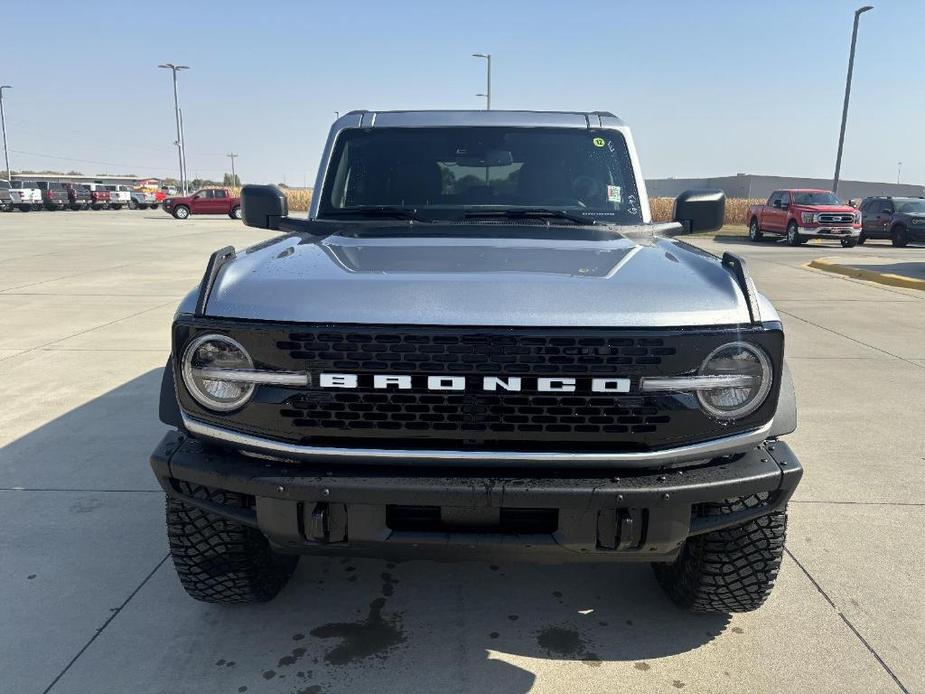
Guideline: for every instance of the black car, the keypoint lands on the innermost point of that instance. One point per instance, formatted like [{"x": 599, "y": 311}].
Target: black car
[
  {"x": 899, "y": 219},
  {"x": 54, "y": 195},
  {"x": 78, "y": 196}
]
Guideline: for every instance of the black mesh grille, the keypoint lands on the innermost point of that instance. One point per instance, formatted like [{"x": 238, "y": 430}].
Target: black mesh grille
[
  {"x": 476, "y": 417},
  {"x": 450, "y": 352},
  {"x": 493, "y": 414}
]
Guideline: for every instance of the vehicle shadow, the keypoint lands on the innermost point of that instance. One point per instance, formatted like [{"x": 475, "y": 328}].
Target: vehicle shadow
[{"x": 341, "y": 624}]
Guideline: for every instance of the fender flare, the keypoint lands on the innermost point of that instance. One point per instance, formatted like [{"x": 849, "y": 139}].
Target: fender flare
[
  {"x": 169, "y": 408},
  {"x": 785, "y": 417}
]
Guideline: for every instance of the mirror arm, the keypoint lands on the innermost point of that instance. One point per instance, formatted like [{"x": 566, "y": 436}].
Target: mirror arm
[{"x": 293, "y": 225}]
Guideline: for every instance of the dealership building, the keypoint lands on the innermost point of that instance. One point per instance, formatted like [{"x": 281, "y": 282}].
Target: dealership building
[{"x": 754, "y": 186}]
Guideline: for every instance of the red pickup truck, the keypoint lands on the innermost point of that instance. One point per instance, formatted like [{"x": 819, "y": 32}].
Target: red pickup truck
[
  {"x": 803, "y": 214},
  {"x": 206, "y": 201}
]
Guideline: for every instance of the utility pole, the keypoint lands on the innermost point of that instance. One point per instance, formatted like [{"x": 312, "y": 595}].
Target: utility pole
[
  {"x": 487, "y": 94},
  {"x": 6, "y": 153},
  {"x": 181, "y": 154},
  {"x": 231, "y": 156},
  {"x": 844, "y": 114},
  {"x": 899, "y": 169}
]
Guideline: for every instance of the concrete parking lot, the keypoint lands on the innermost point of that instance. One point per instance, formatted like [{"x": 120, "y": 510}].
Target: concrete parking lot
[{"x": 89, "y": 601}]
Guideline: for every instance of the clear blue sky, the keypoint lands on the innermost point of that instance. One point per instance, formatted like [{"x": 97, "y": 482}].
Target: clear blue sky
[{"x": 710, "y": 88}]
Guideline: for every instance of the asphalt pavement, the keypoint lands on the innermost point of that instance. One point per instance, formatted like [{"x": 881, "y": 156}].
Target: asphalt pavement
[{"x": 89, "y": 601}]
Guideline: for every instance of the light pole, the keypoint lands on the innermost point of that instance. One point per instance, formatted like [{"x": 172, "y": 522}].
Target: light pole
[
  {"x": 487, "y": 94},
  {"x": 899, "y": 170},
  {"x": 234, "y": 181},
  {"x": 6, "y": 154},
  {"x": 844, "y": 114},
  {"x": 181, "y": 155}
]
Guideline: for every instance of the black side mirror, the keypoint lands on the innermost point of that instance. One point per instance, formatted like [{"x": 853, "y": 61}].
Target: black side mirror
[
  {"x": 776, "y": 204},
  {"x": 263, "y": 206},
  {"x": 700, "y": 210},
  {"x": 785, "y": 205}
]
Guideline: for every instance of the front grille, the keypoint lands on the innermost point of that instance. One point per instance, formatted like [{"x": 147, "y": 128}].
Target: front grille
[
  {"x": 831, "y": 218},
  {"x": 477, "y": 414},
  {"x": 504, "y": 353},
  {"x": 475, "y": 418}
]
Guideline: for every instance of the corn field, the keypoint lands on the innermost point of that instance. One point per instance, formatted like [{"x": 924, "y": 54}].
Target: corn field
[{"x": 736, "y": 208}]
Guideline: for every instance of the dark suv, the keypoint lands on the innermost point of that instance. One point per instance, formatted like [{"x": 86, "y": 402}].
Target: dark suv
[
  {"x": 899, "y": 219},
  {"x": 54, "y": 195}
]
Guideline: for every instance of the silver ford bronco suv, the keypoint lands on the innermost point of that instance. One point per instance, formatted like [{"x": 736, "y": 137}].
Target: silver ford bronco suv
[{"x": 478, "y": 345}]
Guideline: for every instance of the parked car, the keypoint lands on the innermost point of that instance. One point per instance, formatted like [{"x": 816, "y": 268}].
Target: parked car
[
  {"x": 206, "y": 201},
  {"x": 444, "y": 362},
  {"x": 78, "y": 196},
  {"x": 30, "y": 197},
  {"x": 99, "y": 196},
  {"x": 142, "y": 200},
  {"x": 6, "y": 197},
  {"x": 54, "y": 195},
  {"x": 803, "y": 214},
  {"x": 119, "y": 196},
  {"x": 899, "y": 219}
]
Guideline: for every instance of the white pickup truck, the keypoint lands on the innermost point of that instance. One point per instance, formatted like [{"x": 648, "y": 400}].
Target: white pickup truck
[
  {"x": 30, "y": 197},
  {"x": 119, "y": 195}
]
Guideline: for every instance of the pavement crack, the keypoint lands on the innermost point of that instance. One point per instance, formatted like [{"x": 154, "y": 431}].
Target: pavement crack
[
  {"x": 109, "y": 619},
  {"x": 847, "y": 621},
  {"x": 847, "y": 337}
]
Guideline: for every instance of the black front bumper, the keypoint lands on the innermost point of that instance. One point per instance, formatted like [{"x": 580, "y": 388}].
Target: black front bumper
[{"x": 431, "y": 513}]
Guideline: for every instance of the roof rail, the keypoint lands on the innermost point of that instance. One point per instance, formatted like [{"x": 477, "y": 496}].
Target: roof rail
[
  {"x": 737, "y": 266},
  {"x": 216, "y": 261}
]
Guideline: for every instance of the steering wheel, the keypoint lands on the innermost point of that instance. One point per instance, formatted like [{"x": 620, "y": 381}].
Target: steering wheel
[
  {"x": 586, "y": 188},
  {"x": 562, "y": 202}
]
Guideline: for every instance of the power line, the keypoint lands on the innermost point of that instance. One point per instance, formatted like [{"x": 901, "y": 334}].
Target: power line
[{"x": 103, "y": 163}]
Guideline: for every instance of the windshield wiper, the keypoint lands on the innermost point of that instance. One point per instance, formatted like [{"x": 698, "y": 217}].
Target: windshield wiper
[
  {"x": 372, "y": 211},
  {"x": 531, "y": 213}
]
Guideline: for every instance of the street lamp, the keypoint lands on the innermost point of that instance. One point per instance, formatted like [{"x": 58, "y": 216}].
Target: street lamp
[
  {"x": 487, "y": 94},
  {"x": 234, "y": 180},
  {"x": 6, "y": 154},
  {"x": 844, "y": 114},
  {"x": 181, "y": 153}
]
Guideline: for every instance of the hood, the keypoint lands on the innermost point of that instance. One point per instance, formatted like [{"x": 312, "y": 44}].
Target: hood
[
  {"x": 473, "y": 280},
  {"x": 827, "y": 208}
]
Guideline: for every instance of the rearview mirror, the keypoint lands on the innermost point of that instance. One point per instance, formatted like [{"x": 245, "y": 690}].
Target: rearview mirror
[
  {"x": 700, "y": 210},
  {"x": 263, "y": 206},
  {"x": 493, "y": 157}
]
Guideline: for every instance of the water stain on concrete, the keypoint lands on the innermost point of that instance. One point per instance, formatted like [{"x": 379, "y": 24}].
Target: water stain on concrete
[
  {"x": 242, "y": 689},
  {"x": 298, "y": 637},
  {"x": 591, "y": 660},
  {"x": 269, "y": 674},
  {"x": 86, "y": 505},
  {"x": 30, "y": 577},
  {"x": 738, "y": 630},
  {"x": 513, "y": 617},
  {"x": 642, "y": 666},
  {"x": 677, "y": 684},
  {"x": 557, "y": 593},
  {"x": 312, "y": 689},
  {"x": 292, "y": 658},
  {"x": 494, "y": 635},
  {"x": 388, "y": 584},
  {"x": 374, "y": 636},
  {"x": 561, "y": 641}
]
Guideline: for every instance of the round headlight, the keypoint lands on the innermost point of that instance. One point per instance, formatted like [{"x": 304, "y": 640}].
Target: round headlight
[
  {"x": 736, "y": 359},
  {"x": 204, "y": 356}
]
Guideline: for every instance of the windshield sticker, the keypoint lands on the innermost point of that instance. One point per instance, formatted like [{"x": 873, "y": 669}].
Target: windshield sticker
[
  {"x": 598, "y": 142},
  {"x": 613, "y": 194}
]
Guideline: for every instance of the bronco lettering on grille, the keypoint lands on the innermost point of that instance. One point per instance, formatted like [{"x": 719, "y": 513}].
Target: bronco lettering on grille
[{"x": 484, "y": 383}]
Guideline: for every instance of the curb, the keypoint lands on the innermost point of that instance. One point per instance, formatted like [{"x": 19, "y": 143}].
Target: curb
[{"x": 867, "y": 275}]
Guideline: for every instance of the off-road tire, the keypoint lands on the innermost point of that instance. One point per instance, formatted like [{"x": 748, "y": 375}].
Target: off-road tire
[
  {"x": 899, "y": 237},
  {"x": 793, "y": 236},
  {"x": 728, "y": 570},
  {"x": 754, "y": 232},
  {"x": 219, "y": 560}
]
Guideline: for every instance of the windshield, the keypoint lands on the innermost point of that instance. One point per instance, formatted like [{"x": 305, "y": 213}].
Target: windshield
[
  {"x": 816, "y": 198},
  {"x": 910, "y": 206},
  {"x": 448, "y": 172}
]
